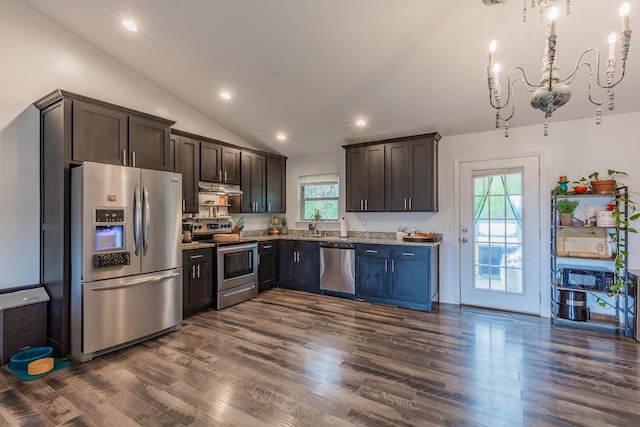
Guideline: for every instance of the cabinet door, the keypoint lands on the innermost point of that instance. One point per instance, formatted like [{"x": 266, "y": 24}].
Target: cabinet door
[
  {"x": 202, "y": 286},
  {"x": 423, "y": 164},
  {"x": 149, "y": 144},
  {"x": 375, "y": 178},
  {"x": 276, "y": 184},
  {"x": 410, "y": 280},
  {"x": 197, "y": 280},
  {"x": 187, "y": 162},
  {"x": 365, "y": 179},
  {"x": 268, "y": 265},
  {"x": 307, "y": 268},
  {"x": 398, "y": 176},
  {"x": 286, "y": 261},
  {"x": 253, "y": 182},
  {"x": 230, "y": 161},
  {"x": 210, "y": 162},
  {"x": 372, "y": 271},
  {"x": 299, "y": 265},
  {"x": 411, "y": 274},
  {"x": 99, "y": 134}
]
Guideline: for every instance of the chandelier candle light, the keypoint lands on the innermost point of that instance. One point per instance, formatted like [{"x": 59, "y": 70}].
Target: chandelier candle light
[{"x": 553, "y": 92}]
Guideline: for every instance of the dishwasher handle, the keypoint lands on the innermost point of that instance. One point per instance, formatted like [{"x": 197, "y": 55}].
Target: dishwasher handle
[{"x": 337, "y": 245}]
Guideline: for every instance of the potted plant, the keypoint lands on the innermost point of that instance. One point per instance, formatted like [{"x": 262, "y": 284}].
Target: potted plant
[
  {"x": 605, "y": 186},
  {"x": 316, "y": 215},
  {"x": 582, "y": 185},
  {"x": 565, "y": 209},
  {"x": 284, "y": 229}
]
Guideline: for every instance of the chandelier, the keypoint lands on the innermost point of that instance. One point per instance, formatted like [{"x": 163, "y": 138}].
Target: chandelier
[{"x": 553, "y": 92}]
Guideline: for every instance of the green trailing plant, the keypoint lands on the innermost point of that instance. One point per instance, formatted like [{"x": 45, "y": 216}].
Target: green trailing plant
[
  {"x": 623, "y": 220},
  {"x": 567, "y": 206}
]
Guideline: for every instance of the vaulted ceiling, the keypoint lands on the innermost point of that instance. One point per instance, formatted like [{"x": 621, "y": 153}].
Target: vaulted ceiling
[{"x": 310, "y": 68}]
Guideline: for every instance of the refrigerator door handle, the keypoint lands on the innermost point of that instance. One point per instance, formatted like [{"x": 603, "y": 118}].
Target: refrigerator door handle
[
  {"x": 137, "y": 282},
  {"x": 147, "y": 218},
  {"x": 137, "y": 219}
]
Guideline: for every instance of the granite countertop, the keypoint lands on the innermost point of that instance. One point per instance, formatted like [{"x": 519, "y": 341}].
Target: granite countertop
[
  {"x": 370, "y": 240},
  {"x": 268, "y": 237}
]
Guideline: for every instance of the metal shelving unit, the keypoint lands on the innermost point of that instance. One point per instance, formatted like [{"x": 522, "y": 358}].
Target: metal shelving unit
[{"x": 625, "y": 304}]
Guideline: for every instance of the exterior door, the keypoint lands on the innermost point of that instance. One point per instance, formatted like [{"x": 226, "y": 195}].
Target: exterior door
[{"x": 499, "y": 234}]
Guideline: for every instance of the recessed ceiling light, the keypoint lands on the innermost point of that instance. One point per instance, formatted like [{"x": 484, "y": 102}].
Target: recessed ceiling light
[
  {"x": 361, "y": 122},
  {"x": 130, "y": 25},
  {"x": 225, "y": 95},
  {"x": 281, "y": 137}
]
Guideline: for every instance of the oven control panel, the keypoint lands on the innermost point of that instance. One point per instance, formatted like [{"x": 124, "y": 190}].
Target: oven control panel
[{"x": 211, "y": 226}]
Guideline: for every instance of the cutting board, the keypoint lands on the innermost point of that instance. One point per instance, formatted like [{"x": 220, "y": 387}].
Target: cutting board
[
  {"x": 584, "y": 243},
  {"x": 226, "y": 238}
]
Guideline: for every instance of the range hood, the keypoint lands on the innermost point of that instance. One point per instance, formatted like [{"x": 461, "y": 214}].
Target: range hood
[{"x": 220, "y": 189}]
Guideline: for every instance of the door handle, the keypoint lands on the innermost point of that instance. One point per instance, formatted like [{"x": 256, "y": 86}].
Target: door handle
[
  {"x": 366, "y": 204},
  {"x": 386, "y": 265},
  {"x": 137, "y": 282},
  {"x": 267, "y": 247},
  {"x": 225, "y": 176},
  {"x": 268, "y": 206},
  {"x": 137, "y": 220},
  {"x": 198, "y": 269},
  {"x": 193, "y": 271},
  {"x": 196, "y": 256},
  {"x": 371, "y": 251},
  {"x": 410, "y": 204},
  {"x": 393, "y": 266},
  {"x": 408, "y": 254},
  {"x": 464, "y": 240},
  {"x": 220, "y": 174},
  {"x": 124, "y": 157},
  {"x": 184, "y": 204},
  {"x": 405, "y": 204},
  {"x": 361, "y": 205},
  {"x": 147, "y": 219},
  {"x": 133, "y": 159}
]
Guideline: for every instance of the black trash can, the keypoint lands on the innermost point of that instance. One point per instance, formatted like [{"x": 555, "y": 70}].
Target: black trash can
[
  {"x": 23, "y": 321},
  {"x": 572, "y": 305}
]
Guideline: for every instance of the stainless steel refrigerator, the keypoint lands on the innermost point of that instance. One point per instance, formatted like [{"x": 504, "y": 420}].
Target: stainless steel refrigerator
[{"x": 126, "y": 230}]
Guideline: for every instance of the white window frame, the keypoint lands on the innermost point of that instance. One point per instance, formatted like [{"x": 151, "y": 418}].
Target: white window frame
[{"x": 319, "y": 179}]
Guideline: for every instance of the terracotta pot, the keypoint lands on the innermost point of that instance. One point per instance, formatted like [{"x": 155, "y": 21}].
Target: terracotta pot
[
  {"x": 604, "y": 186},
  {"x": 566, "y": 219}
]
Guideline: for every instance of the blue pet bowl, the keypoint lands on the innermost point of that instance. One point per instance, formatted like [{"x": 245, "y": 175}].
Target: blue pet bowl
[{"x": 21, "y": 360}]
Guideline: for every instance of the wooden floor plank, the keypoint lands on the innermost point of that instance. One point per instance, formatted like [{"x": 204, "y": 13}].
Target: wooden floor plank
[{"x": 289, "y": 358}]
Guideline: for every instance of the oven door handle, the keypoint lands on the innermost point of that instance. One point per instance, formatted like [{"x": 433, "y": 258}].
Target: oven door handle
[{"x": 237, "y": 248}]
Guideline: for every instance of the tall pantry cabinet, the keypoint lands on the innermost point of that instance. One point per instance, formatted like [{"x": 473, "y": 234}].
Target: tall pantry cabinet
[{"x": 74, "y": 129}]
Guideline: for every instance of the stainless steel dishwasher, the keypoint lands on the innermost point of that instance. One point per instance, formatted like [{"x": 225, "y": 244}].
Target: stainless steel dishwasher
[{"x": 338, "y": 267}]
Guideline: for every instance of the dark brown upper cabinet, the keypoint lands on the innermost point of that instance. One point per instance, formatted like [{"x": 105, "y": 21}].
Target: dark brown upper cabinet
[
  {"x": 187, "y": 162},
  {"x": 219, "y": 163},
  {"x": 276, "y": 184},
  {"x": 395, "y": 175},
  {"x": 106, "y": 133},
  {"x": 252, "y": 182},
  {"x": 410, "y": 175},
  {"x": 365, "y": 178}
]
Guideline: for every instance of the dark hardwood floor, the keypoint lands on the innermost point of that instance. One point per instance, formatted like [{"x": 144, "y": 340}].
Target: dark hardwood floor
[{"x": 289, "y": 358}]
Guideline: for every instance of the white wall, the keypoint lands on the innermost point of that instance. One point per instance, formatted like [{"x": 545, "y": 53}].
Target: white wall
[
  {"x": 40, "y": 56},
  {"x": 574, "y": 148}
]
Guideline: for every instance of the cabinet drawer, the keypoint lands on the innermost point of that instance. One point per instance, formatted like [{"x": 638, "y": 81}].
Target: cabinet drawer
[
  {"x": 378, "y": 251},
  {"x": 417, "y": 253},
  {"x": 266, "y": 247},
  {"x": 193, "y": 256}
]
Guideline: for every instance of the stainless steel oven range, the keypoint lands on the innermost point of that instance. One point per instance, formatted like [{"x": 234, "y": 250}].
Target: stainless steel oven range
[{"x": 237, "y": 272}]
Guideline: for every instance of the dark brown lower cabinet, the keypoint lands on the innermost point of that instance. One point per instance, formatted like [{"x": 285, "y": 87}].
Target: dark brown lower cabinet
[
  {"x": 197, "y": 280},
  {"x": 268, "y": 265}
]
